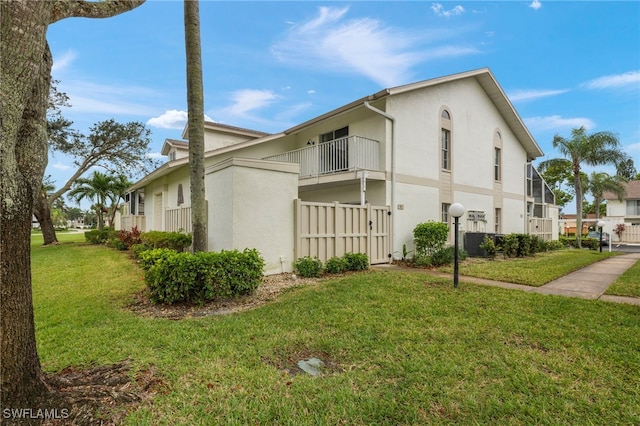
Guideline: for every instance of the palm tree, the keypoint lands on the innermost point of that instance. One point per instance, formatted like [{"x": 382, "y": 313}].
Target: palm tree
[
  {"x": 582, "y": 148},
  {"x": 599, "y": 183},
  {"x": 195, "y": 105},
  {"x": 119, "y": 186},
  {"x": 98, "y": 189}
]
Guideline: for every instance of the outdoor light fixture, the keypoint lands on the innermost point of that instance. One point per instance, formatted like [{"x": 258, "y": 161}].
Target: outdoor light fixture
[
  {"x": 455, "y": 210},
  {"x": 600, "y": 225}
]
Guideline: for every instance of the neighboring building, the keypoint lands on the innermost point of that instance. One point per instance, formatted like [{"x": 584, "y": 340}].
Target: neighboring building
[
  {"x": 411, "y": 150},
  {"x": 625, "y": 211}
]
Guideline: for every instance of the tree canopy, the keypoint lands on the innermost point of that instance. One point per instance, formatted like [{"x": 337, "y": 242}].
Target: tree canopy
[{"x": 585, "y": 149}]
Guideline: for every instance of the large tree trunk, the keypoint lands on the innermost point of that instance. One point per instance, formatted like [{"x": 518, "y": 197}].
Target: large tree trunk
[
  {"x": 25, "y": 65},
  {"x": 195, "y": 102},
  {"x": 42, "y": 211}
]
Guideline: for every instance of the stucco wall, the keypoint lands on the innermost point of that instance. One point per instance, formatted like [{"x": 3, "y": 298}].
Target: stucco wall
[
  {"x": 251, "y": 206},
  {"x": 474, "y": 121}
]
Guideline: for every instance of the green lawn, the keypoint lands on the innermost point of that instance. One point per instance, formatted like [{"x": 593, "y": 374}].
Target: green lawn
[
  {"x": 628, "y": 284},
  {"x": 534, "y": 271},
  {"x": 401, "y": 348}
]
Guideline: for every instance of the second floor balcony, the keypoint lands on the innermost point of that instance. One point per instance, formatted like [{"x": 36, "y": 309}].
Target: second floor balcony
[{"x": 339, "y": 155}]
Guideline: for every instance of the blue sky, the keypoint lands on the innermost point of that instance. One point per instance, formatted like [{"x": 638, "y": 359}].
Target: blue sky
[{"x": 271, "y": 65}]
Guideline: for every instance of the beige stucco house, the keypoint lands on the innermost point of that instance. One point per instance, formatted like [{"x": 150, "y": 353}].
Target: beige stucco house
[
  {"x": 625, "y": 211},
  {"x": 360, "y": 177}
]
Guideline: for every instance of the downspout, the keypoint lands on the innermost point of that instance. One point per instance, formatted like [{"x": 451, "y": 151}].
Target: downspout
[{"x": 392, "y": 119}]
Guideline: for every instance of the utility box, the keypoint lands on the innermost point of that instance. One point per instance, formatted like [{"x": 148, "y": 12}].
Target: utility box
[{"x": 472, "y": 241}]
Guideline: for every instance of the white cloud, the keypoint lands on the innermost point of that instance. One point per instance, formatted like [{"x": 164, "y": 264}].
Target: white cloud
[
  {"x": 364, "y": 46},
  {"x": 439, "y": 10},
  {"x": 62, "y": 166},
  {"x": 172, "y": 119},
  {"x": 535, "y": 4},
  {"x": 247, "y": 100},
  {"x": 63, "y": 61},
  {"x": 530, "y": 95},
  {"x": 311, "y": 91},
  {"x": 155, "y": 156},
  {"x": 554, "y": 122},
  {"x": 112, "y": 99},
  {"x": 288, "y": 115},
  {"x": 634, "y": 151},
  {"x": 614, "y": 81}
]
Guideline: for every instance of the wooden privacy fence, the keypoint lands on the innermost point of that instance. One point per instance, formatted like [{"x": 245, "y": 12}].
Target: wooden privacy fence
[
  {"x": 631, "y": 234},
  {"x": 541, "y": 227},
  {"x": 178, "y": 219},
  {"x": 325, "y": 230}
]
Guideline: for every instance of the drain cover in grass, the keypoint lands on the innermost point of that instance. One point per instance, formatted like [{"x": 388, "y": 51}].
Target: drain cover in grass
[{"x": 312, "y": 366}]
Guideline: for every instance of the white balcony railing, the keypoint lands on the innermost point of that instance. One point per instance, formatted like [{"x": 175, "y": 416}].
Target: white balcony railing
[{"x": 350, "y": 153}]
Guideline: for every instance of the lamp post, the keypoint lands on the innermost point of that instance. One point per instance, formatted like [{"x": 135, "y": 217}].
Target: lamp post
[
  {"x": 600, "y": 225},
  {"x": 455, "y": 210}
]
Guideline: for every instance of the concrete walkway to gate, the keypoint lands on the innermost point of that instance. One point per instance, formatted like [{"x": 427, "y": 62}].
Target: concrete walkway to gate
[{"x": 589, "y": 282}]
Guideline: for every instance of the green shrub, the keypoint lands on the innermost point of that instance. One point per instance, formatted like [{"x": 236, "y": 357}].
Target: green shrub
[
  {"x": 489, "y": 246},
  {"x": 568, "y": 241},
  {"x": 422, "y": 260},
  {"x": 517, "y": 245},
  {"x": 117, "y": 244},
  {"x": 150, "y": 257},
  {"x": 137, "y": 249},
  {"x": 177, "y": 241},
  {"x": 336, "y": 265},
  {"x": 356, "y": 261},
  {"x": 554, "y": 245},
  {"x": 429, "y": 237},
  {"x": 204, "y": 276},
  {"x": 445, "y": 256},
  {"x": 240, "y": 270},
  {"x": 590, "y": 243},
  {"x": 308, "y": 267},
  {"x": 98, "y": 237},
  {"x": 129, "y": 238}
]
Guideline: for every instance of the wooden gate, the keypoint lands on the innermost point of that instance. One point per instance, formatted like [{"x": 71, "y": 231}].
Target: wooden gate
[{"x": 325, "y": 230}]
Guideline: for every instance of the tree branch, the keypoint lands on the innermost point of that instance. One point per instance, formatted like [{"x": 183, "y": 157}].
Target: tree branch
[{"x": 89, "y": 9}]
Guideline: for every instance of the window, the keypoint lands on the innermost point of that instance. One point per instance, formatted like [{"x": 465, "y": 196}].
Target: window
[
  {"x": 446, "y": 146},
  {"x": 497, "y": 219},
  {"x": 335, "y": 134},
  {"x": 445, "y": 212},
  {"x": 445, "y": 140},
  {"x": 497, "y": 172},
  {"x": 633, "y": 207},
  {"x": 180, "y": 195}
]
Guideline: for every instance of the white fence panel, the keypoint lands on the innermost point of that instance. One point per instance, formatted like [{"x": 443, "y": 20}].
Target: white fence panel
[{"x": 325, "y": 230}]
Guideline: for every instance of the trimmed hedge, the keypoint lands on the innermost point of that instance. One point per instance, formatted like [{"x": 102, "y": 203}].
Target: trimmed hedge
[
  {"x": 177, "y": 241},
  {"x": 336, "y": 265},
  {"x": 174, "y": 277},
  {"x": 356, "y": 261},
  {"x": 430, "y": 237},
  {"x": 310, "y": 267},
  {"x": 96, "y": 236}
]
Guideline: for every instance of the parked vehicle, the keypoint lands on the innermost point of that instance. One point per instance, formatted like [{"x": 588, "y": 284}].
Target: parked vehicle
[{"x": 596, "y": 235}]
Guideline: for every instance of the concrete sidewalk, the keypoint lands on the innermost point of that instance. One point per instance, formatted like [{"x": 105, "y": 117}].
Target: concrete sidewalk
[
  {"x": 592, "y": 281},
  {"x": 589, "y": 282}
]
